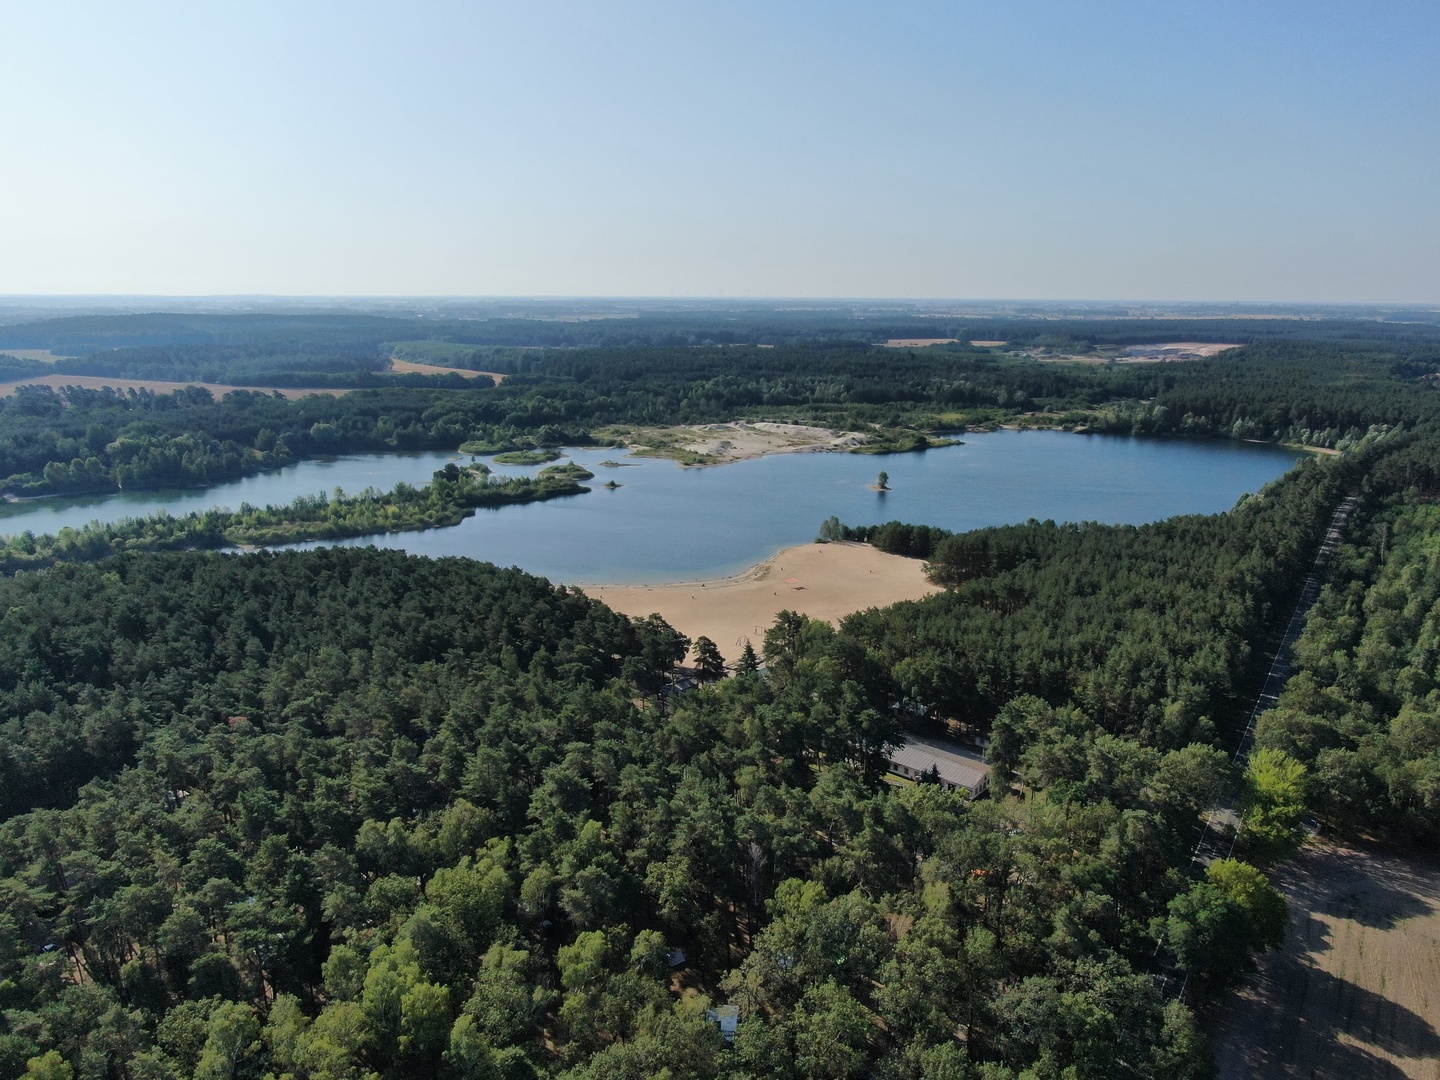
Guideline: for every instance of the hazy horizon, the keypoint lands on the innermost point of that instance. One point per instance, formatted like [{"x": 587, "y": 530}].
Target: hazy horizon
[{"x": 1186, "y": 153}]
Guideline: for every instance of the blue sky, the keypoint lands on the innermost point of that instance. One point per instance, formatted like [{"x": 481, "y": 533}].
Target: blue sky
[{"x": 1160, "y": 150}]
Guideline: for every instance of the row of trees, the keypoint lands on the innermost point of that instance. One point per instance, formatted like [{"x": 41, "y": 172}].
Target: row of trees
[{"x": 457, "y": 332}]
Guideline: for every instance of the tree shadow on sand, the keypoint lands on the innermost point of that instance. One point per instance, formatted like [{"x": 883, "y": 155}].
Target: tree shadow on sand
[
  {"x": 1375, "y": 891},
  {"x": 1294, "y": 1016}
]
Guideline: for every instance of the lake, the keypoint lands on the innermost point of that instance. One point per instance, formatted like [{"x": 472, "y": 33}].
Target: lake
[{"x": 666, "y": 523}]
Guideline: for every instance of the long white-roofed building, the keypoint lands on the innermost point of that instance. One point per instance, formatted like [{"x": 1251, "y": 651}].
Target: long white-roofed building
[{"x": 952, "y": 766}]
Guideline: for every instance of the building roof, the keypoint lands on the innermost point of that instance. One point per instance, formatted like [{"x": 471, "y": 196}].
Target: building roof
[{"x": 954, "y": 765}]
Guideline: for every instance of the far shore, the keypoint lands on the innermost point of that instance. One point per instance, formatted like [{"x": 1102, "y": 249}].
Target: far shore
[{"x": 823, "y": 581}]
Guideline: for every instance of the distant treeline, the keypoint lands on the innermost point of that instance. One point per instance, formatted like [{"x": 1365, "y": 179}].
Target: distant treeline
[
  {"x": 1316, "y": 393},
  {"x": 372, "y": 334}
]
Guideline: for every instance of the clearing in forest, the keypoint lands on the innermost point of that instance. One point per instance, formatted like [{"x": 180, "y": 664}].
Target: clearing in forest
[{"x": 1355, "y": 991}]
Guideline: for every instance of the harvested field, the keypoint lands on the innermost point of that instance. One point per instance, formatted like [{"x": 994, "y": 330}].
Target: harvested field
[
  {"x": 1355, "y": 993},
  {"x": 33, "y": 354},
  {"x": 159, "y": 386},
  {"x": 410, "y": 367}
]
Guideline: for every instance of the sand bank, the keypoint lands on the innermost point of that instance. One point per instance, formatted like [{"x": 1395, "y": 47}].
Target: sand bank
[
  {"x": 824, "y": 581},
  {"x": 720, "y": 444}
]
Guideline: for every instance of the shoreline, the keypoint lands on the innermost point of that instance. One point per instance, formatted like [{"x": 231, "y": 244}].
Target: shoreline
[{"x": 823, "y": 581}]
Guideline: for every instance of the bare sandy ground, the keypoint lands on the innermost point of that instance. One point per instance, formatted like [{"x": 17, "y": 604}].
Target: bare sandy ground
[
  {"x": 719, "y": 444},
  {"x": 410, "y": 367},
  {"x": 1355, "y": 993},
  {"x": 1190, "y": 348},
  {"x": 1163, "y": 352},
  {"x": 824, "y": 581},
  {"x": 918, "y": 342},
  {"x": 1173, "y": 350},
  {"x": 159, "y": 386}
]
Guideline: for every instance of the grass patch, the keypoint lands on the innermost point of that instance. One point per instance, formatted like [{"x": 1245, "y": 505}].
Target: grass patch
[{"x": 526, "y": 457}]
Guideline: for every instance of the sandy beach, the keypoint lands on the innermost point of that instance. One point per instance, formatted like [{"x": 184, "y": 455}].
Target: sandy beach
[{"x": 824, "y": 581}]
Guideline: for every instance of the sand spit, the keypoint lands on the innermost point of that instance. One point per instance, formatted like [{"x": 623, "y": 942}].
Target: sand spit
[{"x": 824, "y": 581}]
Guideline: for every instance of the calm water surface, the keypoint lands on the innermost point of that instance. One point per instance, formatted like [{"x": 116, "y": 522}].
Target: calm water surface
[{"x": 670, "y": 524}]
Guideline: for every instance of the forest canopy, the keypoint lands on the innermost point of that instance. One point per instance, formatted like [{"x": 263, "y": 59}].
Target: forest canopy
[{"x": 345, "y": 813}]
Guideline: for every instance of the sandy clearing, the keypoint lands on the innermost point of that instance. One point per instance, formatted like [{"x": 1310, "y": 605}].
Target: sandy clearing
[
  {"x": 1179, "y": 350},
  {"x": 918, "y": 342},
  {"x": 410, "y": 367},
  {"x": 1191, "y": 347},
  {"x": 159, "y": 386},
  {"x": 987, "y": 344},
  {"x": 720, "y": 444},
  {"x": 1355, "y": 993},
  {"x": 824, "y": 581}
]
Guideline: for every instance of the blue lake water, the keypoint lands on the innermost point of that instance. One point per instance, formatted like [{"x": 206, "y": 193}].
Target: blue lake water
[{"x": 666, "y": 523}]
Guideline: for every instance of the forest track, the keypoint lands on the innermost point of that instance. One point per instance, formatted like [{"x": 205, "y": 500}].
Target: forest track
[
  {"x": 1217, "y": 839},
  {"x": 1219, "y": 832}
]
